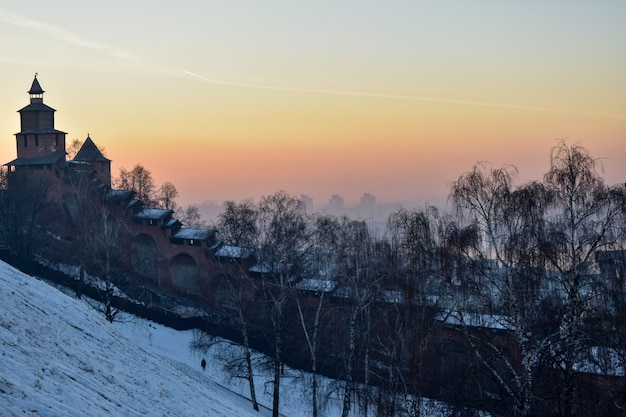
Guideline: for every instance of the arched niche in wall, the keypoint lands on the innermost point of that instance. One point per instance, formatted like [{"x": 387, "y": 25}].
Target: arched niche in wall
[
  {"x": 184, "y": 272},
  {"x": 144, "y": 256}
]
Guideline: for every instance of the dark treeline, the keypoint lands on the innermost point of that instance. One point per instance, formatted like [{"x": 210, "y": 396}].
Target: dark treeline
[{"x": 514, "y": 303}]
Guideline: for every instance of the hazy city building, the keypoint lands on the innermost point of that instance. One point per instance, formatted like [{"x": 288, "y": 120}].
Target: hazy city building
[
  {"x": 367, "y": 206},
  {"x": 308, "y": 202},
  {"x": 336, "y": 204}
]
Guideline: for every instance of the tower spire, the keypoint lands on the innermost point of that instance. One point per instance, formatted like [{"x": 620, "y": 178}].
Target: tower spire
[{"x": 36, "y": 92}]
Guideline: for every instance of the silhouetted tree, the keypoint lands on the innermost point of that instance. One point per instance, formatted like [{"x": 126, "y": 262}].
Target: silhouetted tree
[
  {"x": 586, "y": 216},
  {"x": 237, "y": 225},
  {"x": 166, "y": 196},
  {"x": 281, "y": 248},
  {"x": 360, "y": 271},
  {"x": 73, "y": 148},
  {"x": 82, "y": 204},
  {"x": 322, "y": 267},
  {"x": 106, "y": 240},
  {"x": 139, "y": 180},
  {"x": 190, "y": 217},
  {"x": 417, "y": 261},
  {"x": 510, "y": 221},
  {"x": 538, "y": 238}
]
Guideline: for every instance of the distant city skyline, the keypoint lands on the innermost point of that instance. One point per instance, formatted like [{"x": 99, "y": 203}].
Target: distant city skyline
[{"x": 236, "y": 100}]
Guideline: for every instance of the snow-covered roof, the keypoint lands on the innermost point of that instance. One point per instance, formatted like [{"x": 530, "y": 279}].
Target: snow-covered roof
[
  {"x": 343, "y": 292},
  {"x": 394, "y": 297},
  {"x": 230, "y": 251},
  {"x": 172, "y": 223},
  {"x": 153, "y": 214},
  {"x": 319, "y": 285},
  {"x": 134, "y": 202},
  {"x": 193, "y": 234},
  {"x": 266, "y": 268},
  {"x": 119, "y": 195},
  {"x": 262, "y": 268}
]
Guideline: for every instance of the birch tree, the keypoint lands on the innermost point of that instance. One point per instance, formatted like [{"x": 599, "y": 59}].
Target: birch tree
[
  {"x": 360, "y": 273},
  {"x": 544, "y": 238},
  {"x": 237, "y": 226},
  {"x": 282, "y": 247},
  {"x": 418, "y": 258},
  {"x": 509, "y": 221},
  {"x": 325, "y": 237},
  {"x": 585, "y": 216}
]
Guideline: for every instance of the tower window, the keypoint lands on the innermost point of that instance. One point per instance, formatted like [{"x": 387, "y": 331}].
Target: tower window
[
  {"x": 25, "y": 141},
  {"x": 36, "y": 140}
]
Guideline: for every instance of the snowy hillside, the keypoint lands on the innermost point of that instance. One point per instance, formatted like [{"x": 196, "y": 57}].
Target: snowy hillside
[{"x": 60, "y": 357}]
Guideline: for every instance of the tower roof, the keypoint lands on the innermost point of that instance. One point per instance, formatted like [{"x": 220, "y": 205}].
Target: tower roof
[
  {"x": 51, "y": 159},
  {"x": 35, "y": 88},
  {"x": 89, "y": 152},
  {"x": 37, "y": 106}
]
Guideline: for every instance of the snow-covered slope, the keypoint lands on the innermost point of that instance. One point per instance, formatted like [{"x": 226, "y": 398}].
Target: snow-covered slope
[{"x": 59, "y": 357}]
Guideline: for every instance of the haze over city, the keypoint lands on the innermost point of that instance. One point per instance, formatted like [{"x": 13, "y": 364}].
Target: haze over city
[{"x": 239, "y": 99}]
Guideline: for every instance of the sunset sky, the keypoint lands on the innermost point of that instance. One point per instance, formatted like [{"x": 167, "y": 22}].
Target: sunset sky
[{"x": 236, "y": 99}]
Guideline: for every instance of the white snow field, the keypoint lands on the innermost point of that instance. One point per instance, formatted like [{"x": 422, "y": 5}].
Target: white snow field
[{"x": 60, "y": 357}]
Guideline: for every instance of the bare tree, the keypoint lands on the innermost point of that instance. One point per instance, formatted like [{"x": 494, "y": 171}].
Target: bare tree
[
  {"x": 139, "y": 180},
  {"x": 322, "y": 267},
  {"x": 281, "y": 248},
  {"x": 190, "y": 217},
  {"x": 230, "y": 355},
  {"x": 541, "y": 236},
  {"x": 82, "y": 203},
  {"x": 586, "y": 216},
  {"x": 360, "y": 271},
  {"x": 99, "y": 233},
  {"x": 237, "y": 225},
  {"x": 107, "y": 240},
  {"x": 419, "y": 261},
  {"x": 73, "y": 148},
  {"x": 102, "y": 239},
  {"x": 509, "y": 221},
  {"x": 166, "y": 196}
]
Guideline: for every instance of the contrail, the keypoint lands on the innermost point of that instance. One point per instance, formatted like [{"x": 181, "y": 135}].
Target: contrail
[
  {"x": 62, "y": 34},
  {"x": 403, "y": 97}
]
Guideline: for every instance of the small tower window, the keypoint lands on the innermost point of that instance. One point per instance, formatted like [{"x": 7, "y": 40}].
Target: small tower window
[{"x": 25, "y": 141}]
